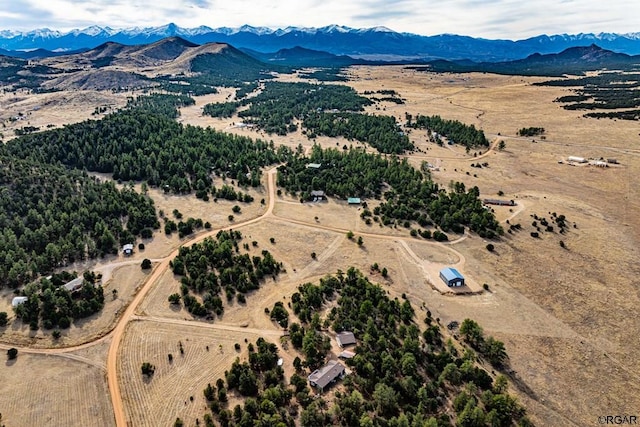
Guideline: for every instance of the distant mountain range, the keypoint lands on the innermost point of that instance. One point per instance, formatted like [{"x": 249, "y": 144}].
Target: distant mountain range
[
  {"x": 178, "y": 65},
  {"x": 377, "y": 43},
  {"x": 574, "y": 60}
]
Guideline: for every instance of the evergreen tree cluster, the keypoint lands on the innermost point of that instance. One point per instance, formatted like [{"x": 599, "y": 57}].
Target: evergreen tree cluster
[
  {"x": 489, "y": 347},
  {"x": 456, "y": 132},
  {"x": 605, "y": 91},
  {"x": 267, "y": 399},
  {"x": 399, "y": 376},
  {"x": 214, "y": 265},
  {"x": 278, "y": 104},
  {"x": 531, "y": 131},
  {"x": 220, "y": 109},
  {"x": 381, "y": 132},
  {"x": 159, "y": 103}
]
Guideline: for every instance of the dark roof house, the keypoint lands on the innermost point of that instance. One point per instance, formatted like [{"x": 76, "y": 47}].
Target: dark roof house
[
  {"x": 329, "y": 373},
  {"x": 345, "y": 338}
]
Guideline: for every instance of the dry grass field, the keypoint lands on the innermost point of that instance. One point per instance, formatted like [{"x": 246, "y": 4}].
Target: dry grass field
[
  {"x": 158, "y": 400},
  {"x": 42, "y": 390},
  {"x": 566, "y": 315}
]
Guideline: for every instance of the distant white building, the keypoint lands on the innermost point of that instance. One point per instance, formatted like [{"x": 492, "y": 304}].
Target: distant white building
[{"x": 576, "y": 159}]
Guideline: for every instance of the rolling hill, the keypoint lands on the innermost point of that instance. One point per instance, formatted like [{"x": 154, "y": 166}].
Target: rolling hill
[
  {"x": 170, "y": 61},
  {"x": 575, "y": 60}
]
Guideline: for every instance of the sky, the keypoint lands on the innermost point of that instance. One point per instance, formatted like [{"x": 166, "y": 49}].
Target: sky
[{"x": 493, "y": 19}]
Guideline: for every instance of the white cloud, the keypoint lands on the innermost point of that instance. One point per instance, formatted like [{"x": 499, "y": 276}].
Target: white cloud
[{"x": 480, "y": 18}]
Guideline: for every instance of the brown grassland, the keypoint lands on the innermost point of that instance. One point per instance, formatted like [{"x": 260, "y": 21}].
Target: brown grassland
[{"x": 566, "y": 315}]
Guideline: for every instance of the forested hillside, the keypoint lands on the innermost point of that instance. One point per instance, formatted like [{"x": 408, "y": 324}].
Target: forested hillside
[
  {"x": 51, "y": 216},
  {"x": 145, "y": 143}
]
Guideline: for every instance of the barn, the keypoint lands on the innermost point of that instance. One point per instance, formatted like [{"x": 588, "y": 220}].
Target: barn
[{"x": 452, "y": 277}]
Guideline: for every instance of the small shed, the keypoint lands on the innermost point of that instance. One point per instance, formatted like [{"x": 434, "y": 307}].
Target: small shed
[
  {"x": 313, "y": 165},
  {"x": 318, "y": 195},
  {"x": 18, "y": 300},
  {"x": 329, "y": 373},
  {"x": 345, "y": 338},
  {"x": 354, "y": 200},
  {"x": 451, "y": 277},
  {"x": 346, "y": 354},
  {"x": 127, "y": 249}
]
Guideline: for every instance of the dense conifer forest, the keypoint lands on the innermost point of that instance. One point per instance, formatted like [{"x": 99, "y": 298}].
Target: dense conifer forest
[
  {"x": 52, "y": 216},
  {"x": 145, "y": 143},
  {"x": 381, "y": 132},
  {"x": 278, "y": 104},
  {"x": 456, "y": 132}
]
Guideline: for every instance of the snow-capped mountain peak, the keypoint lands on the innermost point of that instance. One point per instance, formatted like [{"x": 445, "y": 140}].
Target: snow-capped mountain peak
[
  {"x": 43, "y": 33},
  {"x": 335, "y": 29}
]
